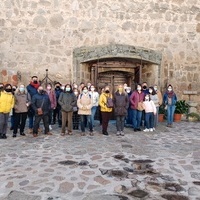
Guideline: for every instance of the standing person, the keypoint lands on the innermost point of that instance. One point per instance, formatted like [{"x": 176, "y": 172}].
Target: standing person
[
  {"x": 1, "y": 87},
  {"x": 136, "y": 100},
  {"x": 170, "y": 100},
  {"x": 129, "y": 118},
  {"x": 150, "y": 111},
  {"x": 121, "y": 103},
  {"x": 32, "y": 89},
  {"x": 22, "y": 102},
  {"x": 106, "y": 111},
  {"x": 57, "y": 110},
  {"x": 75, "y": 117},
  {"x": 52, "y": 97},
  {"x": 12, "y": 117},
  {"x": 84, "y": 104},
  {"x": 67, "y": 101},
  {"x": 99, "y": 109},
  {"x": 95, "y": 102},
  {"x": 6, "y": 105},
  {"x": 158, "y": 92},
  {"x": 41, "y": 105},
  {"x": 154, "y": 98}
]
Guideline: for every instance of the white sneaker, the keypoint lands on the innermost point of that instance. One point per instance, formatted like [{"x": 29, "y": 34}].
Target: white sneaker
[
  {"x": 146, "y": 130},
  {"x": 151, "y": 129},
  {"x": 154, "y": 129},
  {"x": 118, "y": 133},
  {"x": 122, "y": 133},
  {"x": 50, "y": 128}
]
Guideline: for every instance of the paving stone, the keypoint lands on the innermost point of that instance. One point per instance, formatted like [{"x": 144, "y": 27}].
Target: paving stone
[
  {"x": 65, "y": 187},
  {"x": 101, "y": 180},
  {"x": 14, "y": 195}
]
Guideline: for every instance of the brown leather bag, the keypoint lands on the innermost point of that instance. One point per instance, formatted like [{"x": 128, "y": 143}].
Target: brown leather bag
[{"x": 39, "y": 111}]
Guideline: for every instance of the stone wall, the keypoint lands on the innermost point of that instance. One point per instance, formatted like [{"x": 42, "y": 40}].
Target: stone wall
[{"x": 41, "y": 34}]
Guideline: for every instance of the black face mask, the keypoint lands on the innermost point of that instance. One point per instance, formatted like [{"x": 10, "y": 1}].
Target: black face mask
[
  {"x": 8, "y": 90},
  {"x": 35, "y": 82},
  {"x": 41, "y": 91},
  {"x": 107, "y": 91},
  {"x": 57, "y": 87},
  {"x": 13, "y": 89},
  {"x": 144, "y": 87},
  {"x": 1, "y": 87}
]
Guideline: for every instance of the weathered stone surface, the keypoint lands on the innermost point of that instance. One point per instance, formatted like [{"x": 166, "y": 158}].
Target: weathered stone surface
[
  {"x": 40, "y": 21},
  {"x": 101, "y": 180},
  {"x": 65, "y": 187},
  {"x": 13, "y": 195},
  {"x": 56, "y": 21}
]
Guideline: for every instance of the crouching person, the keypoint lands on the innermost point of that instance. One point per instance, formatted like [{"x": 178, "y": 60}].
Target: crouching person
[{"x": 41, "y": 105}]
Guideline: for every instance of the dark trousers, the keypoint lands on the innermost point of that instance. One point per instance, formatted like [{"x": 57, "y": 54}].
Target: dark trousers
[
  {"x": 3, "y": 123},
  {"x": 67, "y": 119},
  {"x": 120, "y": 123},
  {"x": 57, "y": 114},
  {"x": 20, "y": 120},
  {"x": 75, "y": 119},
  {"x": 50, "y": 116},
  {"x": 149, "y": 120},
  {"x": 31, "y": 115},
  {"x": 45, "y": 119},
  {"x": 83, "y": 119},
  {"x": 105, "y": 119}
]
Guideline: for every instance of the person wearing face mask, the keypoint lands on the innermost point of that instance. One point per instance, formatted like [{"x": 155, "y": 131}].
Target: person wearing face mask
[
  {"x": 154, "y": 98},
  {"x": 106, "y": 111},
  {"x": 12, "y": 117},
  {"x": 67, "y": 101},
  {"x": 95, "y": 102},
  {"x": 158, "y": 92},
  {"x": 1, "y": 87},
  {"x": 57, "y": 110},
  {"x": 121, "y": 104},
  {"x": 150, "y": 111},
  {"x": 75, "y": 117},
  {"x": 129, "y": 118},
  {"x": 32, "y": 90},
  {"x": 84, "y": 104},
  {"x": 136, "y": 100},
  {"x": 22, "y": 102},
  {"x": 6, "y": 105},
  {"x": 41, "y": 105},
  {"x": 52, "y": 97},
  {"x": 169, "y": 100}
]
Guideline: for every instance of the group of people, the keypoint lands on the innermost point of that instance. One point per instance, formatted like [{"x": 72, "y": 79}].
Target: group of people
[{"x": 71, "y": 105}]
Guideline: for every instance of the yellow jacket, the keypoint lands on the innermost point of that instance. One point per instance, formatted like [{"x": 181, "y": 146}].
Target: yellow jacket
[
  {"x": 6, "y": 102},
  {"x": 103, "y": 100}
]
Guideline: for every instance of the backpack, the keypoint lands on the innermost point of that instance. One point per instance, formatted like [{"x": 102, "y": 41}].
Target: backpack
[{"x": 109, "y": 102}]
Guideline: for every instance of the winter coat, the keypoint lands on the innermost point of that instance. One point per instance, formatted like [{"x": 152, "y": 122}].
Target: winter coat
[
  {"x": 121, "y": 104},
  {"x": 67, "y": 101},
  {"x": 173, "y": 99},
  {"x": 52, "y": 97},
  {"x": 6, "y": 102},
  {"x": 41, "y": 101},
  {"x": 95, "y": 98},
  {"x": 21, "y": 101},
  {"x": 149, "y": 106},
  {"x": 31, "y": 90},
  {"x": 84, "y": 104},
  {"x": 135, "y": 98},
  {"x": 103, "y": 101}
]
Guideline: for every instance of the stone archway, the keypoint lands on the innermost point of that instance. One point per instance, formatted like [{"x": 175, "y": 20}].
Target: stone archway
[{"x": 89, "y": 63}]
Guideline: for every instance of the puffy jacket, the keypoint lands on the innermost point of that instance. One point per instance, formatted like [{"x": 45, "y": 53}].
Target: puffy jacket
[
  {"x": 67, "y": 101},
  {"x": 103, "y": 100},
  {"x": 6, "y": 102},
  {"x": 121, "y": 103},
  {"x": 84, "y": 104},
  {"x": 135, "y": 98},
  {"x": 41, "y": 101},
  {"x": 31, "y": 90}
]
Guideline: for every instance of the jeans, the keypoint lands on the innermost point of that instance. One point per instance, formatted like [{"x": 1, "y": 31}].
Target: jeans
[
  {"x": 170, "y": 113},
  {"x": 20, "y": 120},
  {"x": 149, "y": 118},
  {"x": 3, "y": 123},
  {"x": 67, "y": 119},
  {"x": 105, "y": 119},
  {"x": 83, "y": 118},
  {"x": 50, "y": 116},
  {"x": 137, "y": 117},
  {"x": 93, "y": 112},
  {"x": 45, "y": 119},
  {"x": 155, "y": 119},
  {"x": 129, "y": 117},
  {"x": 31, "y": 115},
  {"x": 120, "y": 123}
]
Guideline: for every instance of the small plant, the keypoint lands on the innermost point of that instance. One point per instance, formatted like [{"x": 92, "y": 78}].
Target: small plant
[
  {"x": 162, "y": 109},
  {"x": 193, "y": 116},
  {"x": 182, "y": 107}
]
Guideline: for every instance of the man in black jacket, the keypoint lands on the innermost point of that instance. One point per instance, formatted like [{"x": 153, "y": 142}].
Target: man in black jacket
[{"x": 41, "y": 105}]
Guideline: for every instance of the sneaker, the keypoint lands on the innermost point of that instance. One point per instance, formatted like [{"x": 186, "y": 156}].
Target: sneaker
[
  {"x": 135, "y": 129},
  {"x": 122, "y": 133},
  {"x": 151, "y": 129},
  {"x": 14, "y": 135},
  {"x": 35, "y": 134},
  {"x": 50, "y": 128},
  {"x": 62, "y": 134},
  {"x": 146, "y": 130},
  {"x": 49, "y": 133},
  {"x": 154, "y": 129},
  {"x": 23, "y": 134},
  {"x": 91, "y": 133},
  {"x": 139, "y": 129},
  {"x": 70, "y": 132},
  {"x": 118, "y": 133},
  {"x": 83, "y": 134}
]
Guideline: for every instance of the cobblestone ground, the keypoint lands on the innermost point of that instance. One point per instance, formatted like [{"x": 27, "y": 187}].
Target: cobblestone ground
[{"x": 164, "y": 164}]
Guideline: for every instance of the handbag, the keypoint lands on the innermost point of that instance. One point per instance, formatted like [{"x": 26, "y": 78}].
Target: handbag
[
  {"x": 140, "y": 106},
  {"x": 39, "y": 110}
]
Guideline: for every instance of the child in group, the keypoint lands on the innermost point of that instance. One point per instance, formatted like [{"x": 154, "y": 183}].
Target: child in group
[{"x": 150, "y": 111}]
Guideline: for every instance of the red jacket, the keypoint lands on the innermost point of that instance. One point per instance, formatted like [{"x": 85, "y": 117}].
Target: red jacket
[{"x": 135, "y": 98}]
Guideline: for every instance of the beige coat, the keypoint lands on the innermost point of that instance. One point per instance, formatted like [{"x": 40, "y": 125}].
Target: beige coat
[{"x": 84, "y": 104}]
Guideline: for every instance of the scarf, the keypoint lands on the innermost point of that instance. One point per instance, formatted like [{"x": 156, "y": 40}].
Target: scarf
[
  {"x": 170, "y": 94},
  {"x": 35, "y": 85}
]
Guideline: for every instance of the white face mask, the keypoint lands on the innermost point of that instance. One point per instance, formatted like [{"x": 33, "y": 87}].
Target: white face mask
[
  {"x": 155, "y": 88},
  {"x": 48, "y": 88},
  {"x": 75, "y": 93},
  {"x": 150, "y": 91},
  {"x": 62, "y": 87},
  {"x": 139, "y": 88},
  {"x": 128, "y": 91},
  {"x": 85, "y": 91},
  {"x": 169, "y": 89},
  {"x": 92, "y": 89}
]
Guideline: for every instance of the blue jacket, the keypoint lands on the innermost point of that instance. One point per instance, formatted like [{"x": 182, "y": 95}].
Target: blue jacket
[
  {"x": 165, "y": 99},
  {"x": 31, "y": 90}
]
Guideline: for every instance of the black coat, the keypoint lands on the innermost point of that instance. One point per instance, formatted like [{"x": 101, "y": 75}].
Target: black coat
[
  {"x": 121, "y": 103},
  {"x": 41, "y": 101}
]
